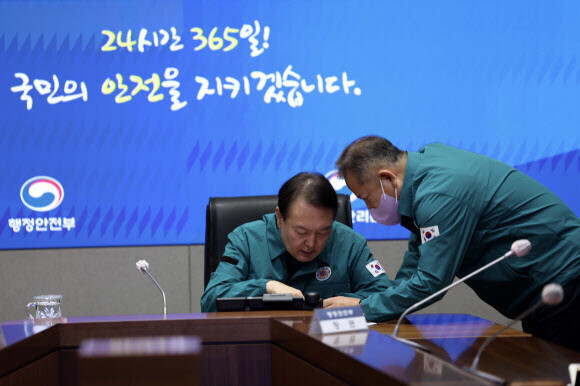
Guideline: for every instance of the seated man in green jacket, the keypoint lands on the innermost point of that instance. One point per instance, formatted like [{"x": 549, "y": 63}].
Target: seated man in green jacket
[{"x": 298, "y": 249}]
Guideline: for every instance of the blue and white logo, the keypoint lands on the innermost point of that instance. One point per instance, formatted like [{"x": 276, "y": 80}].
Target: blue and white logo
[
  {"x": 360, "y": 213},
  {"x": 42, "y": 193},
  {"x": 339, "y": 184}
]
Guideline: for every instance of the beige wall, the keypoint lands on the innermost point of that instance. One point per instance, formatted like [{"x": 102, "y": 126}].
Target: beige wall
[{"x": 104, "y": 281}]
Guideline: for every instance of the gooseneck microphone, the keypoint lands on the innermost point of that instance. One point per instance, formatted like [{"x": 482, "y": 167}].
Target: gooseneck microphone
[
  {"x": 518, "y": 248},
  {"x": 143, "y": 266},
  {"x": 552, "y": 294}
]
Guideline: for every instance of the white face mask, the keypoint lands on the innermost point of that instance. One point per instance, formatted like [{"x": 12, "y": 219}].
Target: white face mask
[{"x": 388, "y": 211}]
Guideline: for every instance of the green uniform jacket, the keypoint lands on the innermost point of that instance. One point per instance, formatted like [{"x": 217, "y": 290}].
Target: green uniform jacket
[
  {"x": 261, "y": 256},
  {"x": 469, "y": 209}
]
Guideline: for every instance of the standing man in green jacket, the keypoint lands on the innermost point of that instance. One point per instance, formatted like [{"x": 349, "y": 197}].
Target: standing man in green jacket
[
  {"x": 298, "y": 249},
  {"x": 465, "y": 210}
]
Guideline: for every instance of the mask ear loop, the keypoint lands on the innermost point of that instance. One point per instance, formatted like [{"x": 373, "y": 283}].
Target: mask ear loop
[{"x": 383, "y": 189}]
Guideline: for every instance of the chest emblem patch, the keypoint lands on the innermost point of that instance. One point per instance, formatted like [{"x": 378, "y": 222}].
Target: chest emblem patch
[
  {"x": 429, "y": 233},
  {"x": 323, "y": 273},
  {"x": 375, "y": 268}
]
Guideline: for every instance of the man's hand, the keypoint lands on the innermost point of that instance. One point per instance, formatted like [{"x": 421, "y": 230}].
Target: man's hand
[
  {"x": 340, "y": 301},
  {"x": 275, "y": 287}
]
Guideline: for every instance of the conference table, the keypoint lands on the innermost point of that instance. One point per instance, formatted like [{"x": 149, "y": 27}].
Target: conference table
[{"x": 278, "y": 348}]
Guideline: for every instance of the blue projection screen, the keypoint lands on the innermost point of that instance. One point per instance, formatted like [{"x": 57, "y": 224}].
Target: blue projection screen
[{"x": 121, "y": 118}]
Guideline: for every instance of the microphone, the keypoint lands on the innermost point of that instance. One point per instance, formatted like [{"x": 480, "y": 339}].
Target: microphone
[
  {"x": 518, "y": 248},
  {"x": 552, "y": 294},
  {"x": 143, "y": 266}
]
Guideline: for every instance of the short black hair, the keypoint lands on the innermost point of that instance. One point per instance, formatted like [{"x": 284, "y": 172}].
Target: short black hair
[
  {"x": 314, "y": 188},
  {"x": 363, "y": 154}
]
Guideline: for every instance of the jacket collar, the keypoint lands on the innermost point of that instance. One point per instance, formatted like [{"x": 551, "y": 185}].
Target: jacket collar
[
  {"x": 276, "y": 246},
  {"x": 407, "y": 193}
]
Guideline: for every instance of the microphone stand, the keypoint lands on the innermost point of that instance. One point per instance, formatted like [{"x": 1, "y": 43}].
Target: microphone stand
[
  {"x": 475, "y": 362},
  {"x": 519, "y": 248},
  {"x": 416, "y": 305},
  {"x": 162, "y": 292},
  {"x": 552, "y": 294},
  {"x": 504, "y": 328}
]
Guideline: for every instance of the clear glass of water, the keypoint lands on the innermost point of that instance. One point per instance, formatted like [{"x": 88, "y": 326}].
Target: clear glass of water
[{"x": 45, "y": 306}]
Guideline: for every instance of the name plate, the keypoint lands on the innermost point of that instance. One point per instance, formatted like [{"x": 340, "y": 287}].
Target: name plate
[{"x": 343, "y": 319}]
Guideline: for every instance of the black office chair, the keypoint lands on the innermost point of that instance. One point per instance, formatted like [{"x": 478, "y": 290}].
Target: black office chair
[{"x": 224, "y": 214}]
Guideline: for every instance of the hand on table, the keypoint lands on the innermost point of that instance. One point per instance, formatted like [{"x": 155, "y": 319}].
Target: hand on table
[
  {"x": 340, "y": 301},
  {"x": 275, "y": 287}
]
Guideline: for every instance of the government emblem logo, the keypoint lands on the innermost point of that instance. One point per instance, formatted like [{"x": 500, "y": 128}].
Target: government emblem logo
[{"x": 323, "y": 273}]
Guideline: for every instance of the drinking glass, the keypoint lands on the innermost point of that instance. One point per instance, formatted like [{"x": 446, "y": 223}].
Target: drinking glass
[{"x": 45, "y": 306}]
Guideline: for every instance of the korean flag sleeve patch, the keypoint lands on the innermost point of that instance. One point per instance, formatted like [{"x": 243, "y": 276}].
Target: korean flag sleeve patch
[
  {"x": 375, "y": 268},
  {"x": 429, "y": 233}
]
